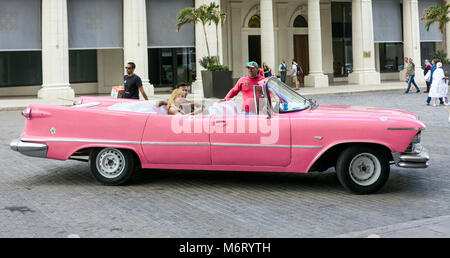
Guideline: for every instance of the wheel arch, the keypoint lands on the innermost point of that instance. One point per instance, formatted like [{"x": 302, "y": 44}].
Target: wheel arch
[
  {"x": 86, "y": 150},
  {"x": 329, "y": 156}
]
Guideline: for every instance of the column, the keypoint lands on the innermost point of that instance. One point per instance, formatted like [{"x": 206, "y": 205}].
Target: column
[
  {"x": 327, "y": 39},
  {"x": 362, "y": 44},
  {"x": 411, "y": 37},
  {"x": 200, "y": 46},
  {"x": 283, "y": 24},
  {"x": 55, "y": 52},
  {"x": 267, "y": 34},
  {"x": 447, "y": 35},
  {"x": 135, "y": 40},
  {"x": 316, "y": 78},
  {"x": 236, "y": 37}
]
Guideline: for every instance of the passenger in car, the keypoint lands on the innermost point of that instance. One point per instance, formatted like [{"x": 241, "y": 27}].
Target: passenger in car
[{"x": 178, "y": 104}]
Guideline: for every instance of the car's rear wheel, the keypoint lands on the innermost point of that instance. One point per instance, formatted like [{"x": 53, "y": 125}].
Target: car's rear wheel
[
  {"x": 362, "y": 169},
  {"x": 112, "y": 166}
]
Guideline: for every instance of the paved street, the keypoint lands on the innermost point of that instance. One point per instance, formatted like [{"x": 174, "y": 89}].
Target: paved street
[{"x": 47, "y": 198}]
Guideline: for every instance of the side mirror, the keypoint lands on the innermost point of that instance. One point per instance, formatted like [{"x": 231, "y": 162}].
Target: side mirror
[
  {"x": 284, "y": 107},
  {"x": 313, "y": 103}
]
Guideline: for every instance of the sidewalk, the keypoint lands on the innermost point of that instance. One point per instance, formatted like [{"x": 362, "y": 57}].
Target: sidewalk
[{"x": 19, "y": 103}]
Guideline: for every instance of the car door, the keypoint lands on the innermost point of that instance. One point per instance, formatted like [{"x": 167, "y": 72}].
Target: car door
[
  {"x": 177, "y": 139},
  {"x": 254, "y": 140}
]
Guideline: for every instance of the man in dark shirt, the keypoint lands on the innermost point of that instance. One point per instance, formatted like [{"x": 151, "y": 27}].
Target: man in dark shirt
[
  {"x": 133, "y": 83},
  {"x": 425, "y": 71}
]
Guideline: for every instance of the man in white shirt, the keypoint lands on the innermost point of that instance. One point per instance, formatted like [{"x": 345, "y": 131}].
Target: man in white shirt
[{"x": 294, "y": 75}]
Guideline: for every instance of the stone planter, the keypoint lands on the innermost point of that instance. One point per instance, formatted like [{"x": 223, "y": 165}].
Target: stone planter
[{"x": 216, "y": 84}]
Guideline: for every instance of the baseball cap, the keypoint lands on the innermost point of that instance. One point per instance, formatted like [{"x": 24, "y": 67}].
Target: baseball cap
[{"x": 252, "y": 64}]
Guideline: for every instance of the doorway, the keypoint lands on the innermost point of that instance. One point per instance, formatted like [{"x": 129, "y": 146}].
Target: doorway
[
  {"x": 301, "y": 53},
  {"x": 254, "y": 49},
  {"x": 170, "y": 66}
]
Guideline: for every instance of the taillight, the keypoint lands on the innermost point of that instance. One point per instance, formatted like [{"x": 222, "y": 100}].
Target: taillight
[{"x": 27, "y": 113}]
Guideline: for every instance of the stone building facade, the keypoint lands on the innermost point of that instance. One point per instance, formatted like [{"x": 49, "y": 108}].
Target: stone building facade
[{"x": 59, "y": 48}]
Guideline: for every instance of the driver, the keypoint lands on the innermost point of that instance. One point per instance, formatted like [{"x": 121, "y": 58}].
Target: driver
[{"x": 245, "y": 84}]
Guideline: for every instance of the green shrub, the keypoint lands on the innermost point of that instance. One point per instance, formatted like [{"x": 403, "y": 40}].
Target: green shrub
[
  {"x": 207, "y": 61},
  {"x": 441, "y": 55},
  {"x": 216, "y": 67}
]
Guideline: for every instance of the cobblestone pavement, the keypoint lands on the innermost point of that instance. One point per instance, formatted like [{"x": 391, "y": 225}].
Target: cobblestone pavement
[{"x": 47, "y": 198}]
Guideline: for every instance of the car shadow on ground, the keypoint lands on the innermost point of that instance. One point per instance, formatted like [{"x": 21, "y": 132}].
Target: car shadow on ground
[
  {"x": 320, "y": 181},
  {"x": 79, "y": 174}
]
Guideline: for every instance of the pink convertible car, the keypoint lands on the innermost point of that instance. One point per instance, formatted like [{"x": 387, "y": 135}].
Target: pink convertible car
[{"x": 286, "y": 133}]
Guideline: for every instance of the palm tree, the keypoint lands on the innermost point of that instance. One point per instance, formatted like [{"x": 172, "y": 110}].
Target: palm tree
[
  {"x": 436, "y": 13},
  {"x": 193, "y": 15},
  {"x": 218, "y": 16}
]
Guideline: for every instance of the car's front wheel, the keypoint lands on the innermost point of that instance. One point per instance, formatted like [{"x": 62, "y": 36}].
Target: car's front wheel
[
  {"x": 362, "y": 169},
  {"x": 111, "y": 166}
]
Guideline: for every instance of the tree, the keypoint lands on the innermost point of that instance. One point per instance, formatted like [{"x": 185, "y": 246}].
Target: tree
[
  {"x": 206, "y": 14},
  {"x": 436, "y": 13},
  {"x": 193, "y": 15},
  {"x": 218, "y": 16}
]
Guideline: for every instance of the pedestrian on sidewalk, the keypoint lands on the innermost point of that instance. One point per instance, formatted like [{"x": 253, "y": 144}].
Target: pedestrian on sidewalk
[
  {"x": 437, "y": 85},
  {"x": 282, "y": 68},
  {"x": 425, "y": 72},
  {"x": 406, "y": 66},
  {"x": 267, "y": 70},
  {"x": 444, "y": 89},
  {"x": 433, "y": 68},
  {"x": 294, "y": 74},
  {"x": 133, "y": 83},
  {"x": 411, "y": 73},
  {"x": 260, "y": 71}
]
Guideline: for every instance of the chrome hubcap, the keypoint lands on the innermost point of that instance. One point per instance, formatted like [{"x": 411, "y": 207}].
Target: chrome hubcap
[
  {"x": 110, "y": 163},
  {"x": 365, "y": 169}
]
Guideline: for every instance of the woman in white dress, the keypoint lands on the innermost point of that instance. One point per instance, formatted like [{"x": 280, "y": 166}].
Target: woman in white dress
[
  {"x": 443, "y": 91},
  {"x": 436, "y": 85}
]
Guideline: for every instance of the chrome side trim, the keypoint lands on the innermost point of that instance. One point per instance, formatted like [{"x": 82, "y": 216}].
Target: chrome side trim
[
  {"x": 176, "y": 143},
  {"x": 306, "y": 147},
  {"x": 405, "y": 128},
  {"x": 76, "y": 140},
  {"x": 37, "y": 150},
  {"x": 248, "y": 145}
]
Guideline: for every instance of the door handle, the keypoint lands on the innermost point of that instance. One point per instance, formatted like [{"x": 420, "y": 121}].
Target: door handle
[{"x": 220, "y": 122}]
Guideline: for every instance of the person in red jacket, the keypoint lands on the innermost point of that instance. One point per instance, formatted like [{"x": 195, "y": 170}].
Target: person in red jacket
[{"x": 245, "y": 85}]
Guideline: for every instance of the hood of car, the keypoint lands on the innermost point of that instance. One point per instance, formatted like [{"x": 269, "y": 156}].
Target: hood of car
[{"x": 359, "y": 112}]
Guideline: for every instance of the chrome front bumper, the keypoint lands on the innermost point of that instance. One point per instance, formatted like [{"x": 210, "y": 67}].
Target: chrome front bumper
[
  {"x": 417, "y": 158},
  {"x": 31, "y": 149}
]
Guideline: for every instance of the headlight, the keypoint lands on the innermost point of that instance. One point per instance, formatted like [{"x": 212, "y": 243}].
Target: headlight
[
  {"x": 416, "y": 138},
  {"x": 414, "y": 146}
]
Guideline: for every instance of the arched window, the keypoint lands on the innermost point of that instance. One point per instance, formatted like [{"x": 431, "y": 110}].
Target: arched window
[
  {"x": 300, "y": 22},
  {"x": 254, "y": 22}
]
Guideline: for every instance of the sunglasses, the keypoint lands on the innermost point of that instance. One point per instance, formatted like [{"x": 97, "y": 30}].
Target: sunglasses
[{"x": 128, "y": 68}]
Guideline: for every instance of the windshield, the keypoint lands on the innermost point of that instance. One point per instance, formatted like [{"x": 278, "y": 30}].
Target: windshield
[{"x": 284, "y": 99}]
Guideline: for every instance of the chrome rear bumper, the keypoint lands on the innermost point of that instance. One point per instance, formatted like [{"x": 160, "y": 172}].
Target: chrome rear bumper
[
  {"x": 31, "y": 149},
  {"x": 417, "y": 158}
]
